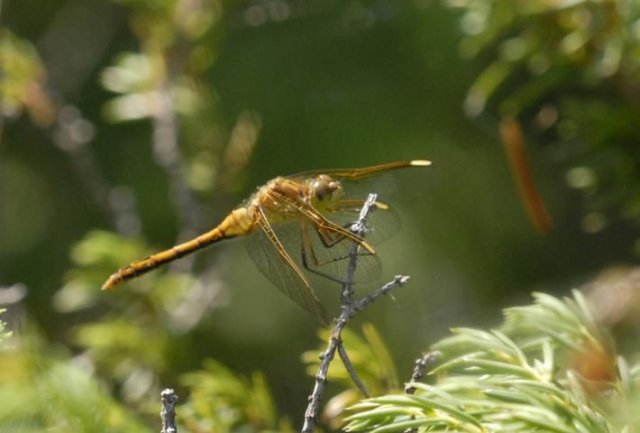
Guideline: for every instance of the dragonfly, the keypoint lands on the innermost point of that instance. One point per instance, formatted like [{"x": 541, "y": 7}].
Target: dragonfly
[{"x": 307, "y": 211}]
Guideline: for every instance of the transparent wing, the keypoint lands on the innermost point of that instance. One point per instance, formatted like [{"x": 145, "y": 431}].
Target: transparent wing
[
  {"x": 308, "y": 240},
  {"x": 322, "y": 252},
  {"x": 328, "y": 253},
  {"x": 270, "y": 256},
  {"x": 358, "y": 173},
  {"x": 325, "y": 247},
  {"x": 381, "y": 224}
]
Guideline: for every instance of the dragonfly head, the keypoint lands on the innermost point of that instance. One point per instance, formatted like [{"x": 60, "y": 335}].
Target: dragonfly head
[{"x": 324, "y": 192}]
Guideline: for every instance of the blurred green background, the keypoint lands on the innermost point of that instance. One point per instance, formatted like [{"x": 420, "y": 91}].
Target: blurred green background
[{"x": 129, "y": 125}]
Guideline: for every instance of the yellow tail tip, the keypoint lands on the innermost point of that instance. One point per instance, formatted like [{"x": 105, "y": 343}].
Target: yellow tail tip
[{"x": 420, "y": 163}]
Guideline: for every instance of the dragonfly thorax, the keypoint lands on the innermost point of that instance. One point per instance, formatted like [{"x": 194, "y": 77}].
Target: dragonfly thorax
[{"x": 323, "y": 192}]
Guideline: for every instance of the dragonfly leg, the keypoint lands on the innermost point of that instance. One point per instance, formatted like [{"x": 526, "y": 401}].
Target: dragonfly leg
[
  {"x": 307, "y": 252},
  {"x": 323, "y": 223},
  {"x": 328, "y": 240},
  {"x": 355, "y": 205},
  {"x": 310, "y": 260}
]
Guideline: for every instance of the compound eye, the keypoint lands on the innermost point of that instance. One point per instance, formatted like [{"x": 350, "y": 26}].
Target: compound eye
[{"x": 324, "y": 189}]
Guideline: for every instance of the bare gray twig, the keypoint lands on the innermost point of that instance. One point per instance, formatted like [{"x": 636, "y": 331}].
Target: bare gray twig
[
  {"x": 359, "y": 228},
  {"x": 420, "y": 368},
  {"x": 335, "y": 341},
  {"x": 168, "y": 413},
  {"x": 352, "y": 371},
  {"x": 348, "y": 310}
]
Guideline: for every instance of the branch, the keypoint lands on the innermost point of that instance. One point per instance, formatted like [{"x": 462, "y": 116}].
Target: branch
[
  {"x": 420, "y": 368},
  {"x": 348, "y": 310},
  {"x": 168, "y": 413},
  {"x": 359, "y": 228}
]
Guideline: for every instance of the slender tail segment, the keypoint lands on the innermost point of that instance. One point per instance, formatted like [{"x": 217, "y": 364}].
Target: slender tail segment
[
  {"x": 143, "y": 266},
  {"x": 236, "y": 223}
]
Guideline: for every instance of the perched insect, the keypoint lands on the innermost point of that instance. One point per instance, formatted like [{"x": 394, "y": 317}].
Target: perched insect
[{"x": 310, "y": 207}]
